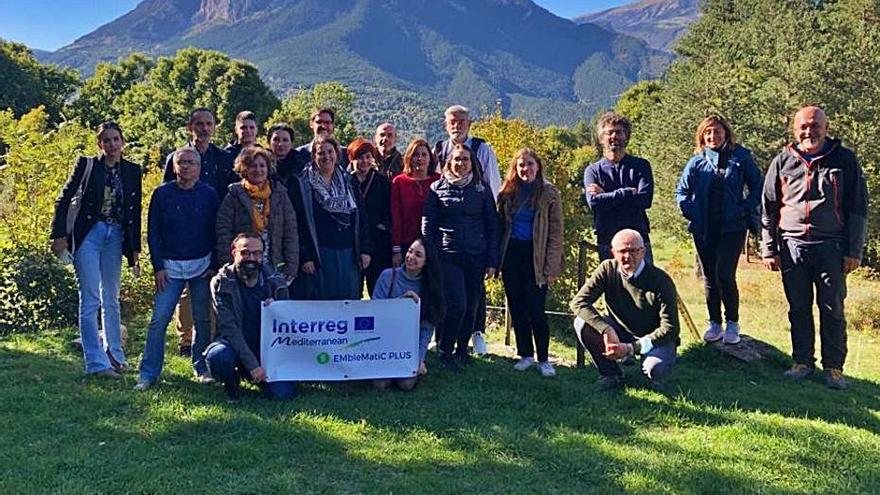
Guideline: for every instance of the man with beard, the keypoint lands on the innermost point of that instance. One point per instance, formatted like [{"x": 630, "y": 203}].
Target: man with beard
[
  {"x": 619, "y": 187},
  {"x": 457, "y": 121},
  {"x": 239, "y": 291},
  {"x": 391, "y": 162},
  {"x": 814, "y": 225},
  {"x": 216, "y": 171},
  {"x": 322, "y": 122}
]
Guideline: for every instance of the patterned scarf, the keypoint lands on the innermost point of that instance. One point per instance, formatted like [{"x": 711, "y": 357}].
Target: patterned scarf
[
  {"x": 335, "y": 198},
  {"x": 260, "y": 198}
]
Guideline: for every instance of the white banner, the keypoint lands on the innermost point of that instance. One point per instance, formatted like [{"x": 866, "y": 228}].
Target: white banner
[{"x": 340, "y": 340}]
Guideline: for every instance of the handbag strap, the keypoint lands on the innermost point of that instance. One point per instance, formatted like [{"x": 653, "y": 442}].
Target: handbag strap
[
  {"x": 90, "y": 163},
  {"x": 393, "y": 280}
]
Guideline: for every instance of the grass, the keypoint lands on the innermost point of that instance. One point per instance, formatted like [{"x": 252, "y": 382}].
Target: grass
[{"x": 727, "y": 427}]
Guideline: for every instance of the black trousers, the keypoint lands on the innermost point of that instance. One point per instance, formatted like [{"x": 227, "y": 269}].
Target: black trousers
[
  {"x": 526, "y": 300},
  {"x": 462, "y": 284},
  {"x": 718, "y": 257},
  {"x": 803, "y": 268}
]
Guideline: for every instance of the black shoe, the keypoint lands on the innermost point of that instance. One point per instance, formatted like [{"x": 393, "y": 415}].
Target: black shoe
[
  {"x": 609, "y": 383},
  {"x": 463, "y": 358},
  {"x": 449, "y": 364},
  {"x": 185, "y": 351},
  {"x": 233, "y": 392}
]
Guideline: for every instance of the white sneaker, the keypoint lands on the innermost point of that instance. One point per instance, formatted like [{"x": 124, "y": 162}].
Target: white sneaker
[
  {"x": 524, "y": 363},
  {"x": 731, "y": 334},
  {"x": 479, "y": 342},
  {"x": 547, "y": 370},
  {"x": 714, "y": 332},
  {"x": 143, "y": 385}
]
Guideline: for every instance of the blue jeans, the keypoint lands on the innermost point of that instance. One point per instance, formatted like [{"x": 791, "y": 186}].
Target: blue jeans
[
  {"x": 163, "y": 309},
  {"x": 226, "y": 367},
  {"x": 657, "y": 364},
  {"x": 426, "y": 331},
  {"x": 98, "y": 264}
]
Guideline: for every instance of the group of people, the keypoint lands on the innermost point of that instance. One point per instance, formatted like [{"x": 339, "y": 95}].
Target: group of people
[
  {"x": 811, "y": 209},
  {"x": 233, "y": 229}
]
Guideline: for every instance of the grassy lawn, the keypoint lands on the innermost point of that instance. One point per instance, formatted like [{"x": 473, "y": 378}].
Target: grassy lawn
[{"x": 727, "y": 427}]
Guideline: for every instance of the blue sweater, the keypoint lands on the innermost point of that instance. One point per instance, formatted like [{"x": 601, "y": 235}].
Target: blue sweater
[
  {"x": 181, "y": 224},
  {"x": 618, "y": 207},
  {"x": 402, "y": 283}
]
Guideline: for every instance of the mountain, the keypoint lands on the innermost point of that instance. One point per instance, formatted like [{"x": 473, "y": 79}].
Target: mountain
[
  {"x": 416, "y": 53},
  {"x": 657, "y": 22}
]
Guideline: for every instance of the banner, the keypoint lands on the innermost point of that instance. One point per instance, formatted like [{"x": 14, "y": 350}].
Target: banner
[{"x": 340, "y": 340}]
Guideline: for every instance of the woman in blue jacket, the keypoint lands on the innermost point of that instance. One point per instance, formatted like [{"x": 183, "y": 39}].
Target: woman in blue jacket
[
  {"x": 459, "y": 221},
  {"x": 710, "y": 194}
]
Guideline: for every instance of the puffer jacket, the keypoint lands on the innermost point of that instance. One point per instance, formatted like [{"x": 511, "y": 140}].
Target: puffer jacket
[
  {"x": 547, "y": 232},
  {"x": 462, "y": 220},
  {"x": 228, "y": 306},
  {"x": 693, "y": 190},
  {"x": 234, "y": 217},
  {"x": 825, "y": 198}
]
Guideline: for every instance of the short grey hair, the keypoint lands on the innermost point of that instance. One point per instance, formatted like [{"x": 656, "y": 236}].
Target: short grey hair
[
  {"x": 454, "y": 109},
  {"x": 187, "y": 149},
  {"x": 624, "y": 233}
]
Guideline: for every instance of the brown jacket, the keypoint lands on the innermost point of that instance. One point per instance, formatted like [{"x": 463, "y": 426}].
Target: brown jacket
[
  {"x": 234, "y": 217},
  {"x": 546, "y": 232}
]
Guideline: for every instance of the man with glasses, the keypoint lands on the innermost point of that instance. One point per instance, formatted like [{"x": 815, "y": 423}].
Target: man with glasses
[
  {"x": 240, "y": 290},
  {"x": 180, "y": 231},
  {"x": 619, "y": 187},
  {"x": 642, "y": 317}
]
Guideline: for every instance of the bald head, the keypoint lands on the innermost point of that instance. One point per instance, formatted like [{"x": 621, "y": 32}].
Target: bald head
[
  {"x": 385, "y": 138},
  {"x": 628, "y": 249},
  {"x": 810, "y": 128}
]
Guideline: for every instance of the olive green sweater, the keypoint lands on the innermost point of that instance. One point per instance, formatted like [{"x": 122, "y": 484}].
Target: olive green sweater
[{"x": 645, "y": 306}]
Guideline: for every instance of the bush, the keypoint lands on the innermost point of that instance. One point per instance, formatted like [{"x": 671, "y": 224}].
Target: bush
[{"x": 36, "y": 292}]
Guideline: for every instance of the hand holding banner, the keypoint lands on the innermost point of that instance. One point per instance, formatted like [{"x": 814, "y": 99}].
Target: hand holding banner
[{"x": 340, "y": 340}]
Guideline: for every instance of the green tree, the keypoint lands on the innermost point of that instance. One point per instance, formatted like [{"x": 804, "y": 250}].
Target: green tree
[
  {"x": 26, "y": 83},
  {"x": 295, "y": 110},
  {"x": 99, "y": 97}
]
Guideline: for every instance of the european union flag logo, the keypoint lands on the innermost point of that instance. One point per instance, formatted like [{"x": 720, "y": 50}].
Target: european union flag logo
[{"x": 364, "y": 324}]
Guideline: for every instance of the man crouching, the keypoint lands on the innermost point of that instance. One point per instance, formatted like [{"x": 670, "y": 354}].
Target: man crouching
[
  {"x": 642, "y": 314},
  {"x": 239, "y": 290}
]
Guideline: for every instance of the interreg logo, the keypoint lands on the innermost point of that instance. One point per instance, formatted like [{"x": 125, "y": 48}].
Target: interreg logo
[{"x": 364, "y": 323}]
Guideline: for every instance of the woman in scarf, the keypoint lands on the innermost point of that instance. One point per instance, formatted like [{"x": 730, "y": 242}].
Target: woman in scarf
[
  {"x": 460, "y": 221},
  {"x": 335, "y": 244},
  {"x": 256, "y": 204},
  {"x": 107, "y": 227}
]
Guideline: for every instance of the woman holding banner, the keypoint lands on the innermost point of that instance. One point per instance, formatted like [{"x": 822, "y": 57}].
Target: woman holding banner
[
  {"x": 419, "y": 279},
  {"x": 460, "y": 221},
  {"x": 106, "y": 227},
  {"x": 530, "y": 209}
]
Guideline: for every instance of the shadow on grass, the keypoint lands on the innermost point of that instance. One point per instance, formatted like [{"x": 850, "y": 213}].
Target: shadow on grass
[{"x": 490, "y": 429}]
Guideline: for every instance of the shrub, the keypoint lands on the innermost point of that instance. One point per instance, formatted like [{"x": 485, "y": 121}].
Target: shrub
[{"x": 36, "y": 292}]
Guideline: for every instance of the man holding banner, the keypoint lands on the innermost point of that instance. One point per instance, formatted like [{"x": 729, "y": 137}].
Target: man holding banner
[{"x": 239, "y": 291}]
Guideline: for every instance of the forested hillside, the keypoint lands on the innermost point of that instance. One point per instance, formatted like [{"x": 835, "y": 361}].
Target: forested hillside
[{"x": 402, "y": 58}]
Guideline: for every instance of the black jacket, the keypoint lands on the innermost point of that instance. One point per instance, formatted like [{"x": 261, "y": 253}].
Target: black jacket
[
  {"x": 92, "y": 200},
  {"x": 462, "y": 220}
]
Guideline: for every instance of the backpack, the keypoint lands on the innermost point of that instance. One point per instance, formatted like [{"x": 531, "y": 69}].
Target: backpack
[{"x": 443, "y": 149}]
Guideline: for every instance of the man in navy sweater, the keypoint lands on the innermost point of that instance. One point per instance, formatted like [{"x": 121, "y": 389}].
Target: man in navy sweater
[
  {"x": 216, "y": 171},
  {"x": 619, "y": 187},
  {"x": 181, "y": 235}
]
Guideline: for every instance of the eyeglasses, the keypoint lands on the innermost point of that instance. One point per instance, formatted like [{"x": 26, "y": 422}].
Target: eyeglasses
[
  {"x": 629, "y": 250},
  {"x": 244, "y": 253}
]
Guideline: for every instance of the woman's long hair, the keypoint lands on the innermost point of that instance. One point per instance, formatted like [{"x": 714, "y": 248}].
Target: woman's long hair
[
  {"x": 431, "y": 294},
  {"x": 411, "y": 150},
  {"x": 475, "y": 169},
  {"x": 512, "y": 182}
]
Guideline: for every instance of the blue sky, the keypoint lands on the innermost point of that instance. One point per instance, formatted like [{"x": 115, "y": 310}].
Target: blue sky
[{"x": 51, "y": 24}]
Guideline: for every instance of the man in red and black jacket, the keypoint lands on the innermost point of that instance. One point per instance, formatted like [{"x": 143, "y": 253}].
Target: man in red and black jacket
[{"x": 814, "y": 224}]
